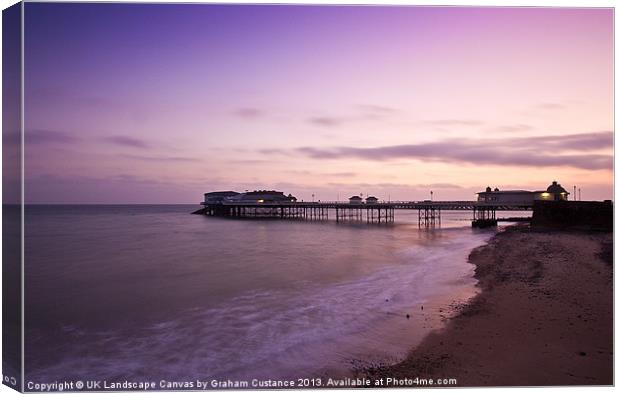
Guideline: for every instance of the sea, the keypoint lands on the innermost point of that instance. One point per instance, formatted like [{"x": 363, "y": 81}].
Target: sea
[{"x": 151, "y": 292}]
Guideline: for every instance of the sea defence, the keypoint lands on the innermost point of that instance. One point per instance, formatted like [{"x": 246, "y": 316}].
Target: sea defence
[{"x": 585, "y": 215}]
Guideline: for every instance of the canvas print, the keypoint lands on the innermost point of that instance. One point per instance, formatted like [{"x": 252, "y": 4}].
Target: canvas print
[{"x": 299, "y": 196}]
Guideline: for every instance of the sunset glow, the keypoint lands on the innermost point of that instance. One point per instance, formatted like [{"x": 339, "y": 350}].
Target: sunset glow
[{"x": 138, "y": 103}]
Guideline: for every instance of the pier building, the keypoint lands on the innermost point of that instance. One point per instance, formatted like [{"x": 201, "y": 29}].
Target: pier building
[
  {"x": 261, "y": 196},
  {"x": 256, "y": 196},
  {"x": 555, "y": 192},
  {"x": 216, "y": 197},
  {"x": 372, "y": 200},
  {"x": 355, "y": 200}
]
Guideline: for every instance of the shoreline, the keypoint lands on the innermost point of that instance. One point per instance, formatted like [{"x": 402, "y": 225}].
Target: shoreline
[{"x": 544, "y": 316}]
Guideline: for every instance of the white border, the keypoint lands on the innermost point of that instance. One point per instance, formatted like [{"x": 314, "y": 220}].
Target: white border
[{"x": 482, "y": 3}]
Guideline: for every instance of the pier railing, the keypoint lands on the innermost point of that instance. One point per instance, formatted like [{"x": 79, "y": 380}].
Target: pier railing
[{"x": 444, "y": 205}]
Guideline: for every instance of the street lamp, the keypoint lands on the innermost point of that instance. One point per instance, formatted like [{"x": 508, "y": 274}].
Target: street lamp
[{"x": 431, "y": 195}]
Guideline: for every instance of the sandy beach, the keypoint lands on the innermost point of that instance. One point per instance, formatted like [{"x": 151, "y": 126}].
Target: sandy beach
[{"x": 544, "y": 316}]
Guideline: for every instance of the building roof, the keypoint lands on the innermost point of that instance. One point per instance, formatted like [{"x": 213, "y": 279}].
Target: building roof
[
  {"x": 272, "y": 192},
  {"x": 355, "y": 198},
  {"x": 505, "y": 192},
  {"x": 556, "y": 188},
  {"x": 222, "y": 193}
]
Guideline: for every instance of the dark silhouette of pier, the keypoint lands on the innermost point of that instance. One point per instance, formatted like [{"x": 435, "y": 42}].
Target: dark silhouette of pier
[{"x": 429, "y": 212}]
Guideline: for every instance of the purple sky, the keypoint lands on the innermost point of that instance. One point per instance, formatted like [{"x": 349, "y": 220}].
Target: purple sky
[{"x": 138, "y": 103}]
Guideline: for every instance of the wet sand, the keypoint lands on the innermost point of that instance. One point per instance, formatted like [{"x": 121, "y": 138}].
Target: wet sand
[{"x": 544, "y": 316}]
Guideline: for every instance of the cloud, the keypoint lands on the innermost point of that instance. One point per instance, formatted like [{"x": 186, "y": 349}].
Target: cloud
[
  {"x": 385, "y": 185},
  {"x": 345, "y": 174},
  {"x": 376, "y": 109},
  {"x": 526, "y": 152},
  {"x": 551, "y": 106},
  {"x": 251, "y": 161},
  {"x": 54, "y": 95},
  {"x": 275, "y": 151},
  {"x": 248, "y": 113},
  {"x": 40, "y": 136},
  {"x": 161, "y": 158},
  {"x": 454, "y": 122},
  {"x": 339, "y": 174},
  {"x": 126, "y": 141},
  {"x": 437, "y": 186},
  {"x": 110, "y": 189},
  {"x": 326, "y": 121},
  {"x": 363, "y": 112},
  {"x": 578, "y": 142},
  {"x": 514, "y": 128}
]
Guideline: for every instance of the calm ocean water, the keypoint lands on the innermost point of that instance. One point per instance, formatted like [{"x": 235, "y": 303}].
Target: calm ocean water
[{"x": 152, "y": 292}]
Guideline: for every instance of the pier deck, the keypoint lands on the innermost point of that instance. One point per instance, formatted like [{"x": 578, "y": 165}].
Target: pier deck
[{"x": 429, "y": 212}]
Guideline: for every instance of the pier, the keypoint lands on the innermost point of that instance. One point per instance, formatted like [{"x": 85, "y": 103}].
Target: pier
[{"x": 429, "y": 212}]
